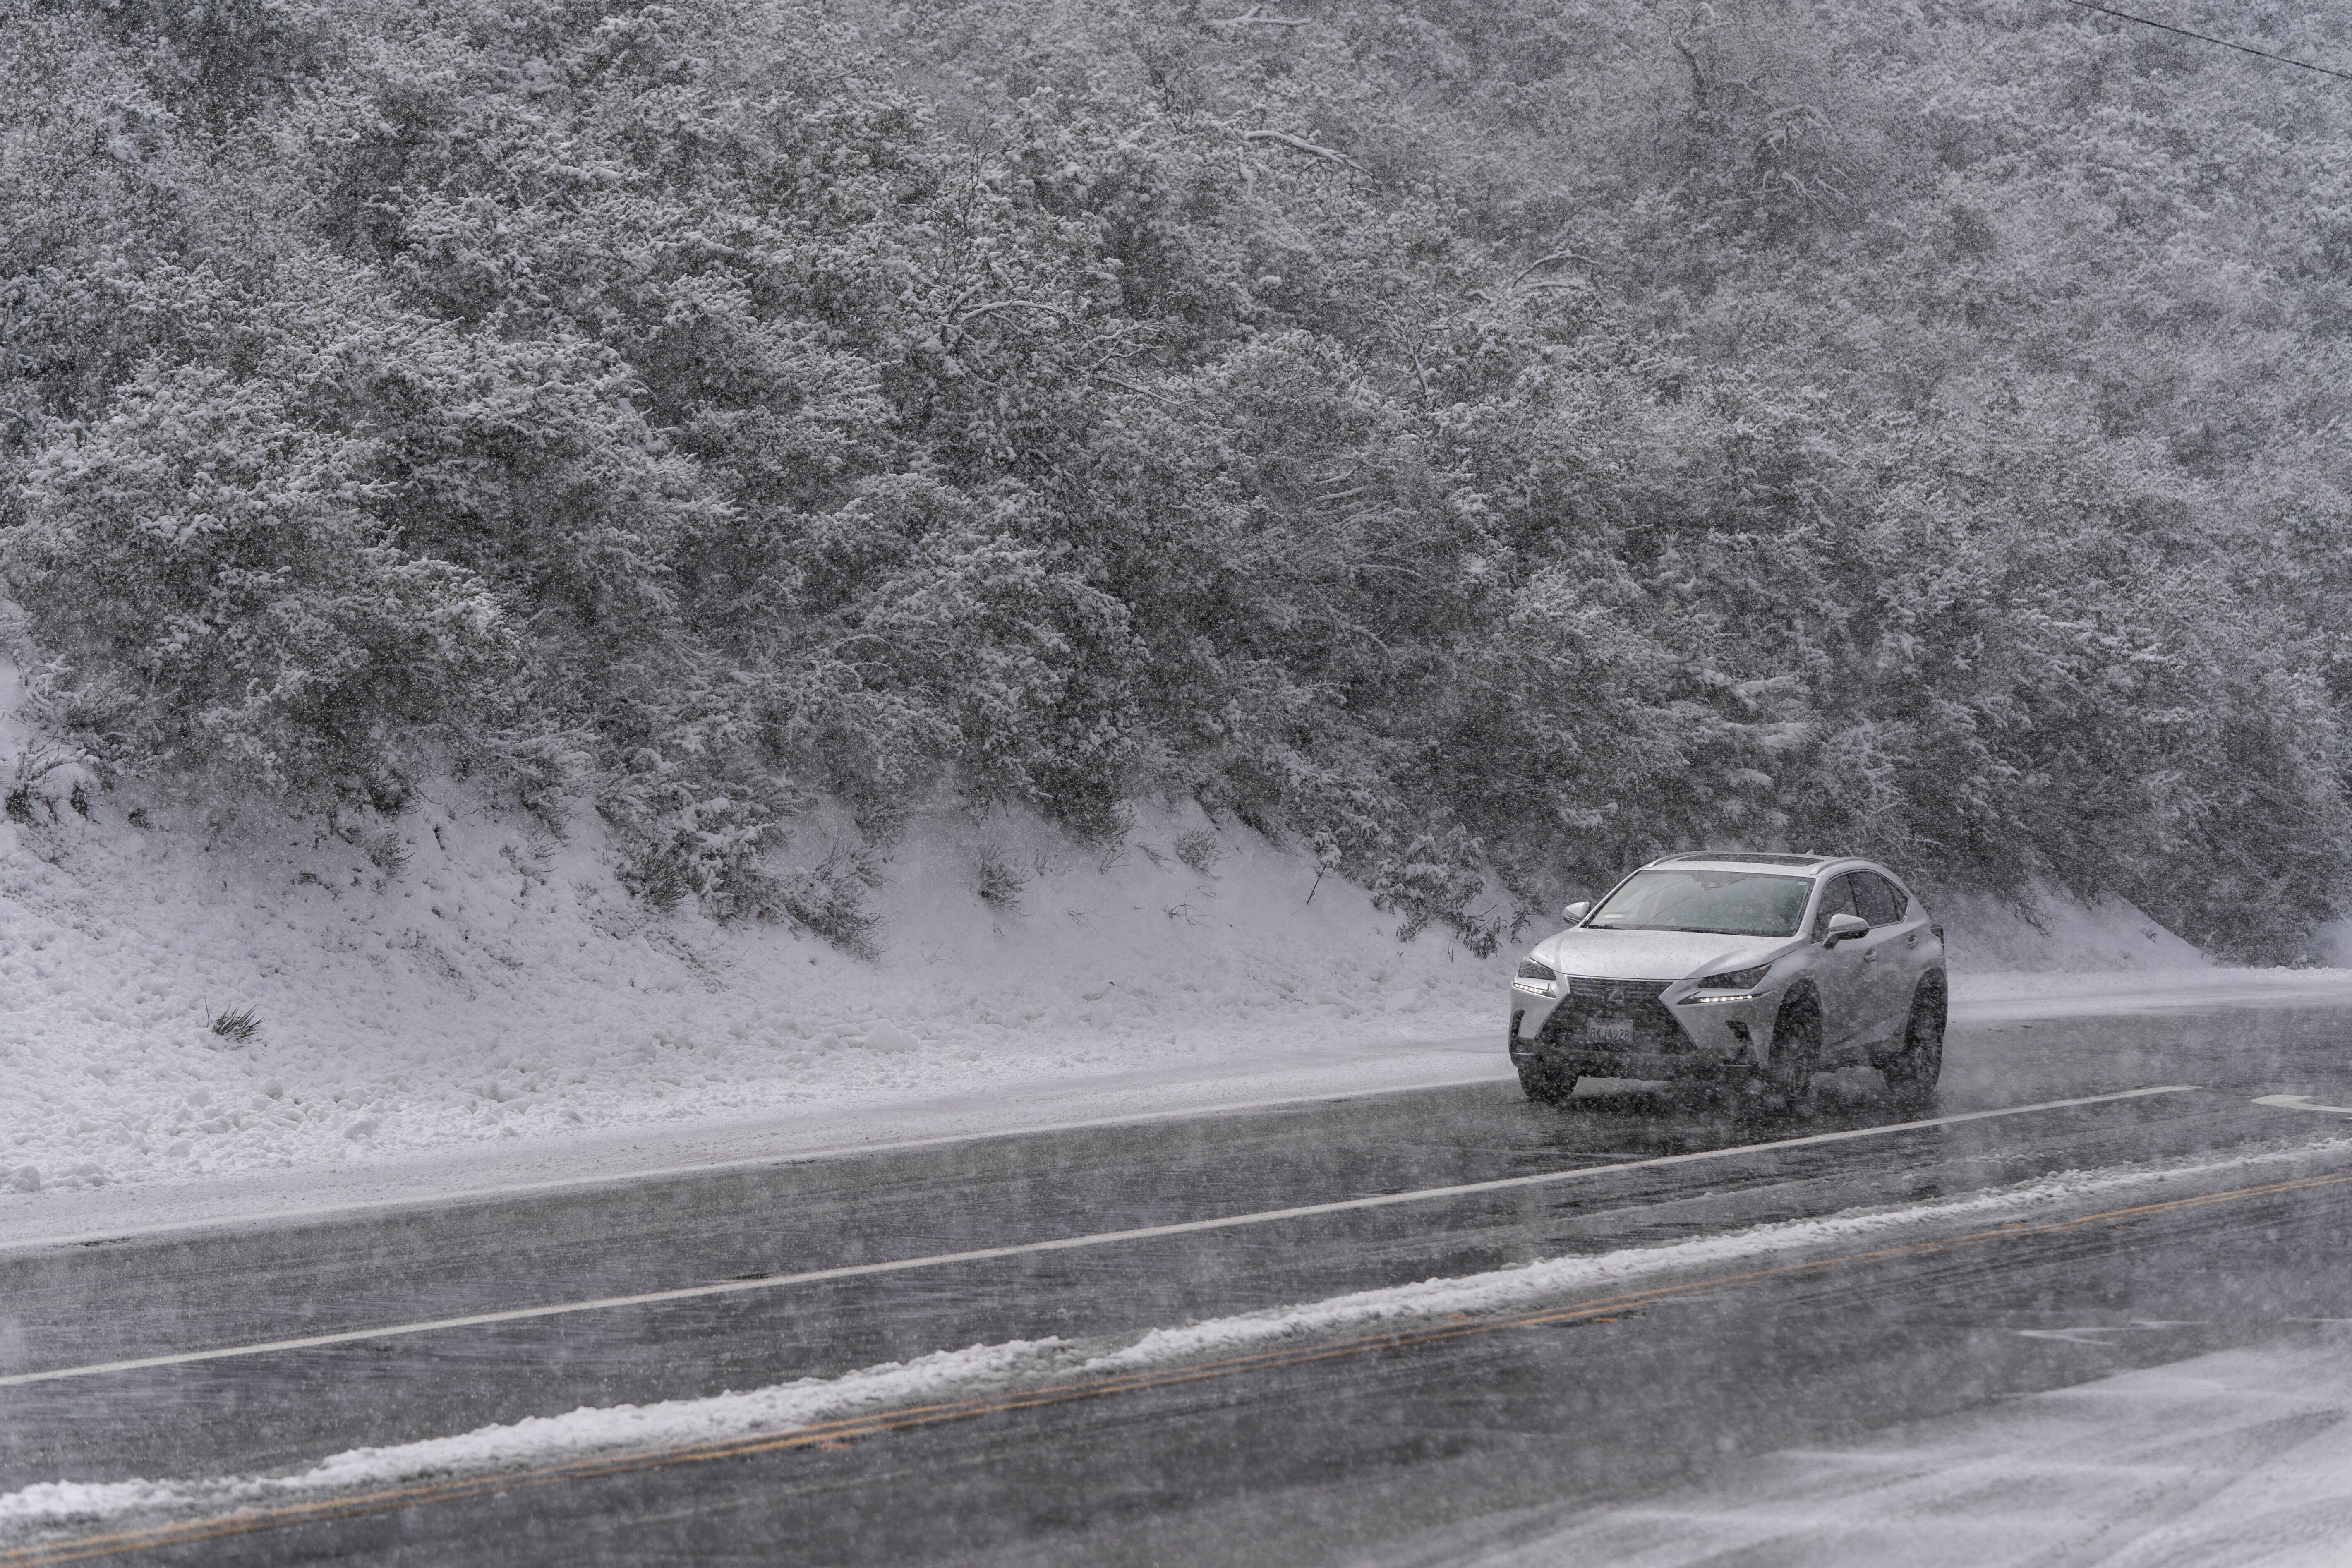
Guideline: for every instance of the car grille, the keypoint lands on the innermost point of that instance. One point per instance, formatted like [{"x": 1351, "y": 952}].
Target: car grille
[{"x": 1589, "y": 999}]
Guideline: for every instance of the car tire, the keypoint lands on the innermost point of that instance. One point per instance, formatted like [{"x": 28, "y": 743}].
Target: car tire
[
  {"x": 1544, "y": 1083},
  {"x": 1785, "y": 1082},
  {"x": 1911, "y": 1073}
]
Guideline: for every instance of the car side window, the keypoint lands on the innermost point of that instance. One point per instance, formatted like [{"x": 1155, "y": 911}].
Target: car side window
[
  {"x": 1878, "y": 902},
  {"x": 1837, "y": 899}
]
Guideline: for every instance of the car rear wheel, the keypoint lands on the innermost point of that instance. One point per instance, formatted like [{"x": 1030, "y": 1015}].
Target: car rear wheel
[
  {"x": 1911, "y": 1074},
  {"x": 1545, "y": 1083}
]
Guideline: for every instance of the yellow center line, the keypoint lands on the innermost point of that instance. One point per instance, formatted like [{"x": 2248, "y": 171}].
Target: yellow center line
[{"x": 839, "y": 1430}]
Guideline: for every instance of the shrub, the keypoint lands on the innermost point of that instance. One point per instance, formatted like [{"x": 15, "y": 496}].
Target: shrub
[
  {"x": 238, "y": 1024},
  {"x": 204, "y": 577},
  {"x": 829, "y": 900},
  {"x": 997, "y": 881},
  {"x": 1493, "y": 445},
  {"x": 1200, "y": 850}
]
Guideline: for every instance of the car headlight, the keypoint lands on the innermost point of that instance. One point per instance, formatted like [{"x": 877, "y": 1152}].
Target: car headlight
[
  {"x": 1739, "y": 984},
  {"x": 1536, "y": 979}
]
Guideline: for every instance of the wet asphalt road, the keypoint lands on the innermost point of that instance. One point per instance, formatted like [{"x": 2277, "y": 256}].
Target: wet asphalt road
[{"x": 1399, "y": 1455}]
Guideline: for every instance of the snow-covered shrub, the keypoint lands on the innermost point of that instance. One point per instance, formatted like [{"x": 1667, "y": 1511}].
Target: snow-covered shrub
[
  {"x": 204, "y": 575},
  {"x": 41, "y": 777},
  {"x": 681, "y": 841},
  {"x": 996, "y": 881},
  {"x": 830, "y": 900},
  {"x": 1527, "y": 441},
  {"x": 387, "y": 851},
  {"x": 1200, "y": 850},
  {"x": 1435, "y": 882}
]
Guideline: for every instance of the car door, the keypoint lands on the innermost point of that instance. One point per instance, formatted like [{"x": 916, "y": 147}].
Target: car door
[
  {"x": 1890, "y": 954},
  {"x": 1907, "y": 950},
  {"x": 1839, "y": 973}
]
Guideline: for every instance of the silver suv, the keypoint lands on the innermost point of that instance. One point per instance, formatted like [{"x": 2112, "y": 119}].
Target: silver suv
[{"x": 1753, "y": 971}]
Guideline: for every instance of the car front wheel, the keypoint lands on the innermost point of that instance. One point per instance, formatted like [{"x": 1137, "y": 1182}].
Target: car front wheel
[
  {"x": 1786, "y": 1078},
  {"x": 1544, "y": 1083}
]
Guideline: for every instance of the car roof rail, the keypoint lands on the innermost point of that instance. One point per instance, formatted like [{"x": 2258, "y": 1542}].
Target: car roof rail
[{"x": 1751, "y": 857}]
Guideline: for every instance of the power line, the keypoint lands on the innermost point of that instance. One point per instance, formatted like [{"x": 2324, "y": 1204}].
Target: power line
[{"x": 2209, "y": 38}]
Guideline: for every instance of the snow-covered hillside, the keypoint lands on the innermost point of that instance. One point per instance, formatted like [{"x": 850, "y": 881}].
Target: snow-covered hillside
[
  {"x": 454, "y": 978},
  {"x": 500, "y": 985}
]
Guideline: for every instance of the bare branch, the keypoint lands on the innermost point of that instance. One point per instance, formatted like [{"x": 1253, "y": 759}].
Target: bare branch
[
  {"x": 1542, "y": 261},
  {"x": 1698, "y": 77},
  {"x": 978, "y": 311},
  {"x": 1299, "y": 144},
  {"x": 1250, "y": 18},
  {"x": 1125, "y": 385}
]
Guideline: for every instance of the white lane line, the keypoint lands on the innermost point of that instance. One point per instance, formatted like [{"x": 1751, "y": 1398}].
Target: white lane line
[
  {"x": 1059, "y": 1244},
  {"x": 2300, "y": 1102},
  {"x": 339, "y": 1208}
]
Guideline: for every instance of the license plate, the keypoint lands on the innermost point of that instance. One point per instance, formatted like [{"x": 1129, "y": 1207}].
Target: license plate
[{"x": 1608, "y": 1031}]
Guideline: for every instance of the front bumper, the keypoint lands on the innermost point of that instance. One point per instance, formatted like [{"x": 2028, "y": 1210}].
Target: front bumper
[
  {"x": 1650, "y": 1067},
  {"x": 1637, "y": 1029}
]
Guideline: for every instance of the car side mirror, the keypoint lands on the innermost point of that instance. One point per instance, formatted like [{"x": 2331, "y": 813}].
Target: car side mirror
[
  {"x": 1845, "y": 928},
  {"x": 1574, "y": 914}
]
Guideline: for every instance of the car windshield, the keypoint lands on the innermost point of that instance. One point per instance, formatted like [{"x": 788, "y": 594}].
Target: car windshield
[{"x": 1735, "y": 903}]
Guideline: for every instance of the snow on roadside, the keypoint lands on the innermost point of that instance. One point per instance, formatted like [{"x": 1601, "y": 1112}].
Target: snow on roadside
[
  {"x": 2239, "y": 1459},
  {"x": 588, "y": 1431},
  {"x": 1530, "y": 1284},
  {"x": 2113, "y": 937},
  {"x": 541, "y": 1439}
]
